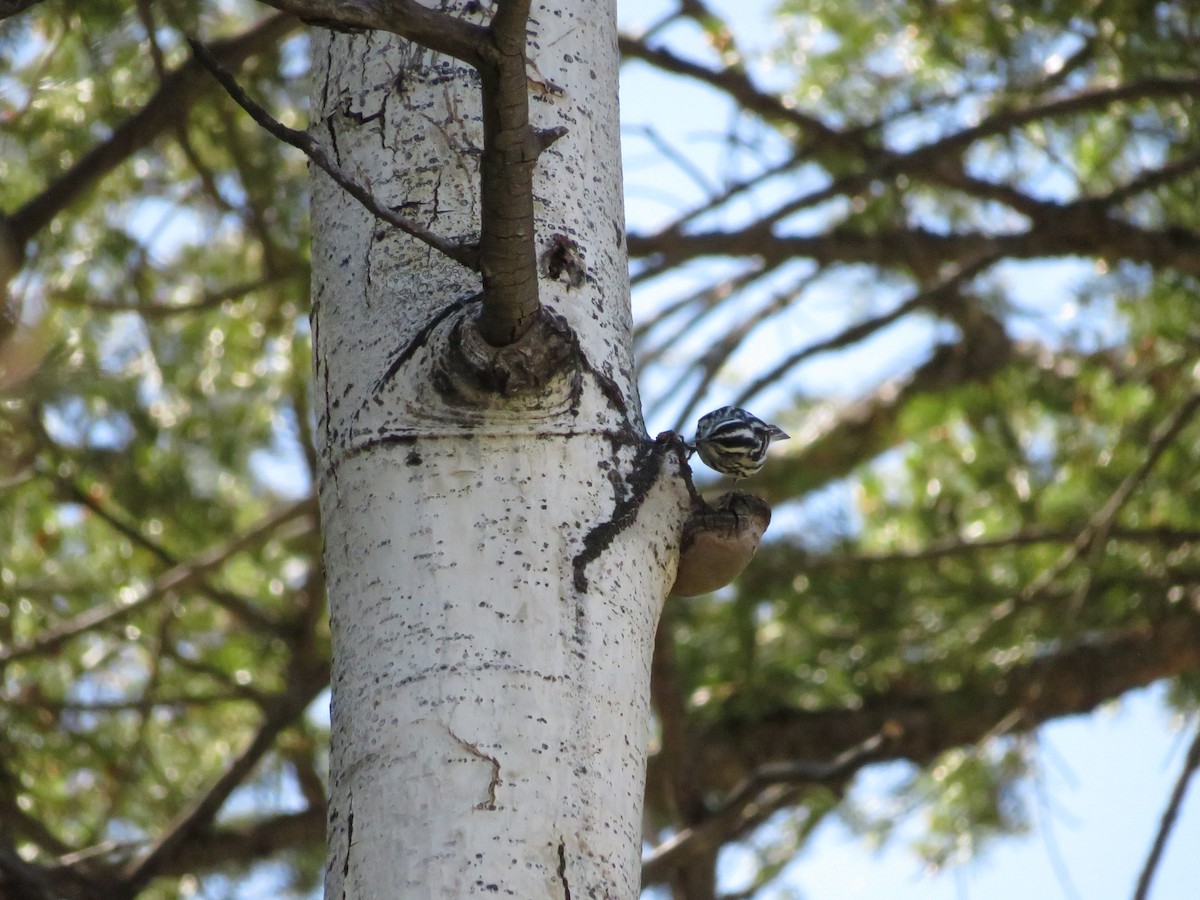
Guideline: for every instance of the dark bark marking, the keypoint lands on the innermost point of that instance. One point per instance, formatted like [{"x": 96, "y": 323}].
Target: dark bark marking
[
  {"x": 646, "y": 466},
  {"x": 563, "y": 261},
  {"x": 562, "y": 868},
  {"x": 609, "y": 388},
  {"x": 419, "y": 339},
  {"x": 349, "y": 841},
  {"x": 333, "y": 140},
  {"x": 360, "y": 118}
]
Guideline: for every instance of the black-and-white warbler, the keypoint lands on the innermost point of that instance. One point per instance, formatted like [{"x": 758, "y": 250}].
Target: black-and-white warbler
[{"x": 733, "y": 442}]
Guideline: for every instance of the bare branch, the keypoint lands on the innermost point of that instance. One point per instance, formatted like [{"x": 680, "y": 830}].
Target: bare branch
[
  {"x": 1063, "y": 230},
  {"x": 729, "y": 818},
  {"x": 935, "y": 295},
  {"x": 739, "y": 86},
  {"x": 207, "y": 300},
  {"x": 716, "y": 356},
  {"x": 956, "y": 546},
  {"x": 464, "y": 254},
  {"x": 1190, "y": 764},
  {"x": 407, "y": 18},
  {"x": 216, "y": 849},
  {"x": 506, "y": 255}
]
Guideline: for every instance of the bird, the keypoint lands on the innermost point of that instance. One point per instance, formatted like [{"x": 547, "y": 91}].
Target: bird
[{"x": 734, "y": 442}]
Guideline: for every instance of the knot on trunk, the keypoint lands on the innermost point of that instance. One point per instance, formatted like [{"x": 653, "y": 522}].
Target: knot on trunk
[{"x": 474, "y": 373}]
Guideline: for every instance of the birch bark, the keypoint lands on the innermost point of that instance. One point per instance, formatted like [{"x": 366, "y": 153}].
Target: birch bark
[{"x": 496, "y": 570}]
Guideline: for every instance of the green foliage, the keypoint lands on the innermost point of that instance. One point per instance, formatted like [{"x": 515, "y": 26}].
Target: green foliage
[{"x": 163, "y": 372}]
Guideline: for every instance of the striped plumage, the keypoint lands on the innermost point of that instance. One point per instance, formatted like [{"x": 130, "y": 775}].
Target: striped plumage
[{"x": 734, "y": 442}]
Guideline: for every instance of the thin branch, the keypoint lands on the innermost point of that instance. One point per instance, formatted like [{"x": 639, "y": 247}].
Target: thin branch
[
  {"x": 732, "y": 191},
  {"x": 802, "y": 772},
  {"x": 204, "y": 809},
  {"x": 174, "y": 579},
  {"x": 724, "y": 817},
  {"x": 465, "y": 254},
  {"x": 206, "y": 301},
  {"x": 1089, "y": 100},
  {"x": 215, "y": 849},
  {"x": 706, "y": 298},
  {"x": 932, "y": 296},
  {"x": 106, "y": 707},
  {"x": 1069, "y": 681},
  {"x": 956, "y": 546},
  {"x": 241, "y": 607},
  {"x": 1059, "y": 232},
  {"x": 738, "y": 85},
  {"x": 681, "y": 160},
  {"x": 1190, "y": 765},
  {"x": 436, "y": 30},
  {"x": 1094, "y": 536},
  {"x": 162, "y": 112},
  {"x": 714, "y": 359},
  {"x": 1152, "y": 179}
]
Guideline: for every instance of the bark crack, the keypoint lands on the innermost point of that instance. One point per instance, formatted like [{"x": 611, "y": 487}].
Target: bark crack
[{"x": 490, "y": 802}]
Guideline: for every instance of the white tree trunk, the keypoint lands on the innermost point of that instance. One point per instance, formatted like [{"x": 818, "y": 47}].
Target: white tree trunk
[{"x": 494, "y": 582}]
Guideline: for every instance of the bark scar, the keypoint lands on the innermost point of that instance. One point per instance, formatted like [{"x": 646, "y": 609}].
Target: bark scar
[
  {"x": 646, "y": 466},
  {"x": 490, "y": 802},
  {"x": 418, "y": 341}
]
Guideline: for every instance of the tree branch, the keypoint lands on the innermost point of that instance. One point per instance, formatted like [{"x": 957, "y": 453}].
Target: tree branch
[
  {"x": 737, "y": 84},
  {"x": 733, "y": 814},
  {"x": 1190, "y": 764},
  {"x": 1074, "y": 680},
  {"x": 161, "y": 113},
  {"x": 407, "y": 18},
  {"x": 867, "y": 427},
  {"x": 957, "y": 546},
  {"x": 214, "y": 850},
  {"x": 1094, "y": 536},
  {"x": 202, "y": 812},
  {"x": 506, "y": 255},
  {"x": 507, "y": 251},
  {"x": 177, "y": 578},
  {"x": 467, "y": 255},
  {"x": 939, "y": 294}
]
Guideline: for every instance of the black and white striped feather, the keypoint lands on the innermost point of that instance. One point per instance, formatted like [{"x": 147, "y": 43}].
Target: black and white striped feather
[{"x": 734, "y": 442}]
